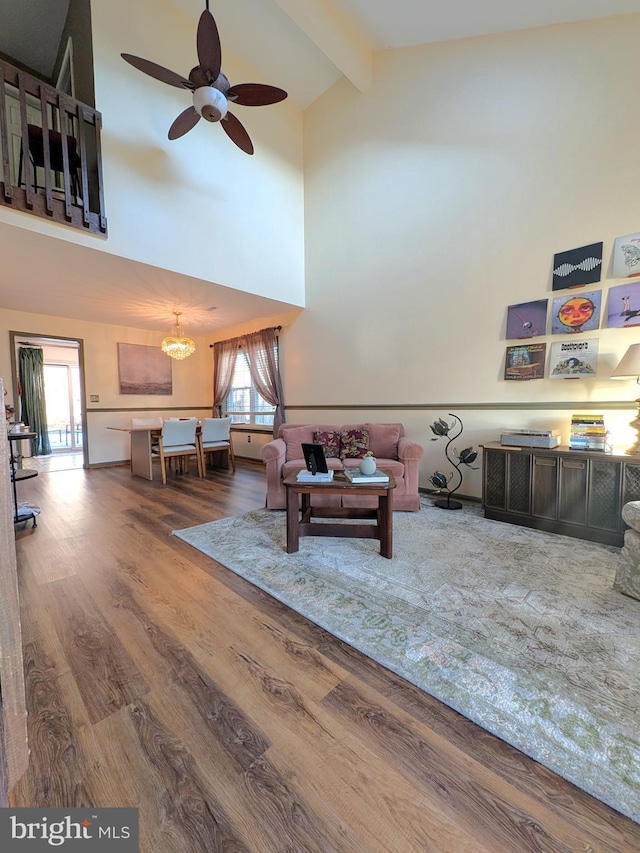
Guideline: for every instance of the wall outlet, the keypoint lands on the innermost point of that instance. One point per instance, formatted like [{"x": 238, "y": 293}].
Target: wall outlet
[
  {"x": 94, "y": 398},
  {"x": 248, "y": 439}
]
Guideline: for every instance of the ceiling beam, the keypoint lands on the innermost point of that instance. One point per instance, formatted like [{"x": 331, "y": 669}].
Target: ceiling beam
[{"x": 336, "y": 37}]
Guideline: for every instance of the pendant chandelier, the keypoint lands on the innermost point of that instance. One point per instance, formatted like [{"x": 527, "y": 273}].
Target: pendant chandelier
[{"x": 176, "y": 345}]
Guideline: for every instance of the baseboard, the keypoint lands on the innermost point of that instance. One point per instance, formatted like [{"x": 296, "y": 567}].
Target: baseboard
[{"x": 116, "y": 464}]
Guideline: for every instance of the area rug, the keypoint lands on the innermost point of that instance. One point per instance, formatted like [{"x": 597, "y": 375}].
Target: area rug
[{"x": 516, "y": 629}]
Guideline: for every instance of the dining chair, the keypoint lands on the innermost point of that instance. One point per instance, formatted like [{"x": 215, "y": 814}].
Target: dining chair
[
  {"x": 151, "y": 424},
  {"x": 216, "y": 435},
  {"x": 146, "y": 423},
  {"x": 56, "y": 157},
  {"x": 178, "y": 440}
]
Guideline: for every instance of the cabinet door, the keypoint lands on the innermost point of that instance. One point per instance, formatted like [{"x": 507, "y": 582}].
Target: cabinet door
[
  {"x": 573, "y": 491},
  {"x": 519, "y": 483},
  {"x": 604, "y": 494},
  {"x": 545, "y": 486},
  {"x": 631, "y": 483},
  {"x": 495, "y": 479}
]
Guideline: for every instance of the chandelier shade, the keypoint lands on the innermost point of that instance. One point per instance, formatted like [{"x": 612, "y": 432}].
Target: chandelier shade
[{"x": 177, "y": 345}]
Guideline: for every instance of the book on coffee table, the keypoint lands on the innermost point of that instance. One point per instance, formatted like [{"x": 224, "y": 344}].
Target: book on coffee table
[
  {"x": 320, "y": 477},
  {"x": 354, "y": 475}
]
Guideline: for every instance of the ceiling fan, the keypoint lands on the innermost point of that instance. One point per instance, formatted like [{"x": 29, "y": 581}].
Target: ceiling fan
[{"x": 211, "y": 89}]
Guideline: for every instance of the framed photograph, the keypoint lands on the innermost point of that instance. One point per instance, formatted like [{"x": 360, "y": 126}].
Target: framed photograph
[
  {"x": 314, "y": 458},
  {"x": 577, "y": 267},
  {"x": 527, "y": 320},
  {"x": 576, "y": 359},
  {"x": 577, "y": 313},
  {"x": 626, "y": 256},
  {"x": 623, "y": 309},
  {"x": 143, "y": 370},
  {"x": 525, "y": 361}
]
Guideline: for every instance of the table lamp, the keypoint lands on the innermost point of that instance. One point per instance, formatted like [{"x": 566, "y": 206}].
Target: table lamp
[{"x": 629, "y": 368}]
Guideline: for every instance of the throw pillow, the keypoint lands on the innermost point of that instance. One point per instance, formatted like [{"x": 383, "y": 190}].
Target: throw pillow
[
  {"x": 330, "y": 440},
  {"x": 354, "y": 443},
  {"x": 293, "y": 437},
  {"x": 383, "y": 439}
]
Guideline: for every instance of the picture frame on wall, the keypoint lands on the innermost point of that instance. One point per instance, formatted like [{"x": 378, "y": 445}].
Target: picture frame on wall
[
  {"x": 144, "y": 370},
  {"x": 623, "y": 308},
  {"x": 574, "y": 359},
  {"x": 527, "y": 320},
  {"x": 576, "y": 313},
  {"x": 626, "y": 256},
  {"x": 577, "y": 267},
  {"x": 524, "y": 362}
]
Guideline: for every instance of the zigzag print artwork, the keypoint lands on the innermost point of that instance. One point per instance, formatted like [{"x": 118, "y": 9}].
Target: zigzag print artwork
[
  {"x": 587, "y": 265},
  {"x": 577, "y": 266}
]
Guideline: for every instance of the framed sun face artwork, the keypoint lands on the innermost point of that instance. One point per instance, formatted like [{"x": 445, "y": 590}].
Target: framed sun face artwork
[
  {"x": 525, "y": 361},
  {"x": 577, "y": 313},
  {"x": 624, "y": 306},
  {"x": 527, "y": 320},
  {"x": 626, "y": 256},
  {"x": 577, "y": 267},
  {"x": 576, "y": 359}
]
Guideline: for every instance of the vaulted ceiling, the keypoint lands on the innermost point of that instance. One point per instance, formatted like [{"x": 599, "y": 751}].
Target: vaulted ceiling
[{"x": 310, "y": 45}]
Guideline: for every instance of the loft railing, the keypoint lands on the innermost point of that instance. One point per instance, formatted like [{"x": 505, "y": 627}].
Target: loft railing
[{"x": 51, "y": 163}]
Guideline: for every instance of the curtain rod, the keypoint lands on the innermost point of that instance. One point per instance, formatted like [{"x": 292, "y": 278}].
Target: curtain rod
[
  {"x": 275, "y": 329},
  {"x": 70, "y": 345}
]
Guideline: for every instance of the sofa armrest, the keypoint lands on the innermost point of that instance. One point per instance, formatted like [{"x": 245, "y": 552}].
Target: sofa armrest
[
  {"x": 410, "y": 453},
  {"x": 274, "y": 455},
  {"x": 273, "y": 451},
  {"x": 408, "y": 449}
]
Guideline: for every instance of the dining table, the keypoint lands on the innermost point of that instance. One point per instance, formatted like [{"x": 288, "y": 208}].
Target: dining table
[{"x": 141, "y": 446}]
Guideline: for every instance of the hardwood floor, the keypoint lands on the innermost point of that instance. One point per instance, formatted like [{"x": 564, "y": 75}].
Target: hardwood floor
[{"x": 158, "y": 679}]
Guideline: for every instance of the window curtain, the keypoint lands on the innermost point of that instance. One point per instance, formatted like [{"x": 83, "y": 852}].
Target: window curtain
[
  {"x": 32, "y": 403},
  {"x": 261, "y": 348},
  {"x": 224, "y": 362}
]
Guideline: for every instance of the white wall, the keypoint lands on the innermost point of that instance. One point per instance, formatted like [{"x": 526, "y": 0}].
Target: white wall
[
  {"x": 191, "y": 378},
  {"x": 197, "y": 205},
  {"x": 439, "y": 198}
]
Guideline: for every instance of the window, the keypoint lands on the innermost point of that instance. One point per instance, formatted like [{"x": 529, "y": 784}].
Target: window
[{"x": 244, "y": 404}]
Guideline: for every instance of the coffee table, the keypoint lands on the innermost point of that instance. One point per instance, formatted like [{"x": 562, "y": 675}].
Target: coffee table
[{"x": 300, "y": 513}]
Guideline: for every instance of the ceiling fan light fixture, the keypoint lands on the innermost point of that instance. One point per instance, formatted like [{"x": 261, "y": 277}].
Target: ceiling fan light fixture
[
  {"x": 210, "y": 103},
  {"x": 177, "y": 345},
  {"x": 211, "y": 89}
]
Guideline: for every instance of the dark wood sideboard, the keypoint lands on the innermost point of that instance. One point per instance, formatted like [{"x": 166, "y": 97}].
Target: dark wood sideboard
[{"x": 573, "y": 492}]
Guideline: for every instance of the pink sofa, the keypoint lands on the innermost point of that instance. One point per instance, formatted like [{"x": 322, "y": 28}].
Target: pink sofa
[{"x": 388, "y": 443}]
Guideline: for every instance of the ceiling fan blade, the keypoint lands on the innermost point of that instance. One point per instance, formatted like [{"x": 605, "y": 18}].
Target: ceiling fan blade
[
  {"x": 186, "y": 120},
  {"x": 208, "y": 45},
  {"x": 235, "y": 131},
  {"x": 157, "y": 71},
  {"x": 255, "y": 94}
]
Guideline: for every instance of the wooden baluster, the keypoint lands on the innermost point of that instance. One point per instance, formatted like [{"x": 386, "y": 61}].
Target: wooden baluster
[
  {"x": 46, "y": 150},
  {"x": 4, "y": 141},
  {"x": 27, "y": 165}
]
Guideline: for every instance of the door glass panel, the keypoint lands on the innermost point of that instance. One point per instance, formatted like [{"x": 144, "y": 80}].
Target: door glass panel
[
  {"x": 62, "y": 400},
  {"x": 76, "y": 409}
]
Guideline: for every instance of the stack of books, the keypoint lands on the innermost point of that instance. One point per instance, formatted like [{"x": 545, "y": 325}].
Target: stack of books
[
  {"x": 547, "y": 438},
  {"x": 588, "y": 432},
  {"x": 321, "y": 477},
  {"x": 355, "y": 475}
]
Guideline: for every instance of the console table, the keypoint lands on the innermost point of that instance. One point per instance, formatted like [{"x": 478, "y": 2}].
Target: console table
[
  {"x": 573, "y": 492},
  {"x": 20, "y": 473}
]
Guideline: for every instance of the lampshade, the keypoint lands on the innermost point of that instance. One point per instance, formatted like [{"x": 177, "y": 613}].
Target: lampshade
[
  {"x": 629, "y": 367},
  {"x": 176, "y": 345}
]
